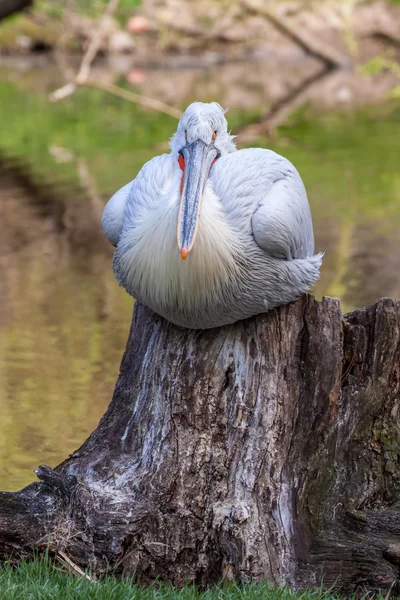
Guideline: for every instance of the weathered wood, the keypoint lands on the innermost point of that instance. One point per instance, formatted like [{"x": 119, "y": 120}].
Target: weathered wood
[{"x": 267, "y": 449}]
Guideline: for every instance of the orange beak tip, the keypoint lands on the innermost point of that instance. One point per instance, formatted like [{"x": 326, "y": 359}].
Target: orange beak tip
[{"x": 184, "y": 253}]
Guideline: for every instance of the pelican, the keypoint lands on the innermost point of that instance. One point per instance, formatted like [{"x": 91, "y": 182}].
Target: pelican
[{"x": 207, "y": 234}]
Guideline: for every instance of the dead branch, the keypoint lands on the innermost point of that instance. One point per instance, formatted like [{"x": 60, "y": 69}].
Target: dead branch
[
  {"x": 331, "y": 57},
  {"x": 135, "y": 98},
  {"x": 73, "y": 568}
]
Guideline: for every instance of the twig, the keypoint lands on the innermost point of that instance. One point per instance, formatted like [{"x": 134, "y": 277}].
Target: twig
[
  {"x": 331, "y": 57},
  {"x": 82, "y": 78},
  {"x": 64, "y": 558},
  {"x": 63, "y": 92},
  {"x": 388, "y": 594},
  {"x": 135, "y": 98}
]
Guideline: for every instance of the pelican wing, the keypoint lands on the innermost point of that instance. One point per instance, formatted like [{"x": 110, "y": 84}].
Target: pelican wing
[
  {"x": 263, "y": 191},
  {"x": 139, "y": 193},
  {"x": 113, "y": 214},
  {"x": 282, "y": 223}
]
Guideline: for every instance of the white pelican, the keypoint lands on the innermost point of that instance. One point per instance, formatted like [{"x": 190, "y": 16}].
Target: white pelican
[{"x": 240, "y": 220}]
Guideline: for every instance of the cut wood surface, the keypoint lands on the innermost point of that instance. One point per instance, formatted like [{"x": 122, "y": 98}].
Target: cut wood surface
[{"x": 268, "y": 449}]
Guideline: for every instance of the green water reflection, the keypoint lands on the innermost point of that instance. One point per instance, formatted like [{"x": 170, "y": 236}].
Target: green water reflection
[{"x": 63, "y": 319}]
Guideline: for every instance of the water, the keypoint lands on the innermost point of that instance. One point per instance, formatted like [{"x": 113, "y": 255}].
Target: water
[
  {"x": 63, "y": 319},
  {"x": 63, "y": 324}
]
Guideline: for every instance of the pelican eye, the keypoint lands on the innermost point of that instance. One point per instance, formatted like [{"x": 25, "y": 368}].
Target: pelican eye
[
  {"x": 185, "y": 134},
  {"x": 214, "y": 135}
]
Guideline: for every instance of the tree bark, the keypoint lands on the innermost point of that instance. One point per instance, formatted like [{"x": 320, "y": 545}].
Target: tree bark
[{"x": 267, "y": 449}]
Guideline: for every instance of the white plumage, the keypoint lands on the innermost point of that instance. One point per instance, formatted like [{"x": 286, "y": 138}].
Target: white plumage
[{"x": 241, "y": 218}]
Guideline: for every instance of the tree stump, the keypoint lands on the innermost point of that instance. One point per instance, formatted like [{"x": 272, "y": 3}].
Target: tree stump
[{"x": 268, "y": 449}]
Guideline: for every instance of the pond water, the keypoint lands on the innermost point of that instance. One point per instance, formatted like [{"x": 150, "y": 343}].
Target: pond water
[{"x": 64, "y": 320}]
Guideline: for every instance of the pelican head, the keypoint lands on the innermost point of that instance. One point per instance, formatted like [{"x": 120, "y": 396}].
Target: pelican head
[{"x": 202, "y": 138}]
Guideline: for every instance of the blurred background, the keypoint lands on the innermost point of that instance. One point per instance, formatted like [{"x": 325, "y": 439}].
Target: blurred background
[{"x": 92, "y": 89}]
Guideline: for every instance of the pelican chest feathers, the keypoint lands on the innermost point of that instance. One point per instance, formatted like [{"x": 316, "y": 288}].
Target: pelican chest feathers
[{"x": 208, "y": 235}]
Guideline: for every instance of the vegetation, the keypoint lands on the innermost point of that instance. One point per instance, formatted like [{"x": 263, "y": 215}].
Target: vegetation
[{"x": 40, "y": 580}]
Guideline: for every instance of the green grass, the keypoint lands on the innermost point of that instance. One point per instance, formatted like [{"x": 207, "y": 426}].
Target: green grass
[{"x": 40, "y": 580}]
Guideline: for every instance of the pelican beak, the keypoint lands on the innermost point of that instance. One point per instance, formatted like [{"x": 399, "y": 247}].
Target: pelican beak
[{"x": 198, "y": 158}]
